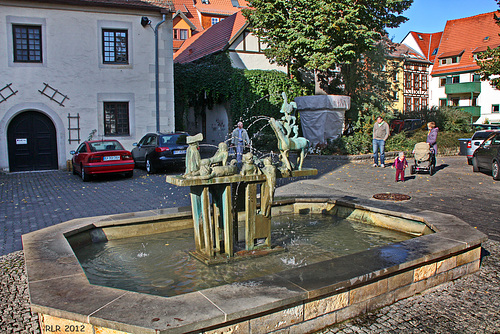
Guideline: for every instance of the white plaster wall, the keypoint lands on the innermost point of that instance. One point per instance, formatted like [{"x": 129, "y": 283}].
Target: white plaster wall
[
  {"x": 72, "y": 64},
  {"x": 435, "y": 92},
  {"x": 488, "y": 97},
  {"x": 217, "y": 125}
]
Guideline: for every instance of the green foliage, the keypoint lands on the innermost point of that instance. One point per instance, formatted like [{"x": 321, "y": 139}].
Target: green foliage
[
  {"x": 451, "y": 119},
  {"x": 489, "y": 63},
  {"x": 247, "y": 94},
  {"x": 318, "y": 35}
]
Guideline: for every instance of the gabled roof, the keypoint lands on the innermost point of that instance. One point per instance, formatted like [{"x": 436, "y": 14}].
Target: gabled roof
[
  {"x": 214, "y": 39},
  {"x": 403, "y": 51},
  {"x": 427, "y": 43},
  {"x": 132, "y": 4},
  {"x": 468, "y": 34}
]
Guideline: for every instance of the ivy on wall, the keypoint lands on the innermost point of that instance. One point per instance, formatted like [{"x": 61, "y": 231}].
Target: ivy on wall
[{"x": 246, "y": 94}]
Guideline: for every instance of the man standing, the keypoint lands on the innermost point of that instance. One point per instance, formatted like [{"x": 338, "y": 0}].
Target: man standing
[
  {"x": 380, "y": 135},
  {"x": 239, "y": 140}
]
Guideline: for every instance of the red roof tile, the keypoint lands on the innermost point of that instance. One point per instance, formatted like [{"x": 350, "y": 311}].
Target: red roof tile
[
  {"x": 212, "y": 40},
  {"x": 404, "y": 51},
  {"x": 427, "y": 42},
  {"x": 466, "y": 34}
]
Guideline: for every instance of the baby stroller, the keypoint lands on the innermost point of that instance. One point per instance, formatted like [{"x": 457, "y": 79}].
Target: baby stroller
[{"x": 425, "y": 159}]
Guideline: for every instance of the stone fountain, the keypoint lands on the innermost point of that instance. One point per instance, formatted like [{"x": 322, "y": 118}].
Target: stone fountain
[
  {"x": 212, "y": 182},
  {"x": 297, "y": 300}
]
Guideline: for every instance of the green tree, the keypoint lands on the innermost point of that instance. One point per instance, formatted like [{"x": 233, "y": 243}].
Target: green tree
[
  {"x": 489, "y": 61},
  {"x": 320, "y": 34}
]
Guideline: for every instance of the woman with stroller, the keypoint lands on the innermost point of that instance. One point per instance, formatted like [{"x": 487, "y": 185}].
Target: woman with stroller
[{"x": 432, "y": 136}]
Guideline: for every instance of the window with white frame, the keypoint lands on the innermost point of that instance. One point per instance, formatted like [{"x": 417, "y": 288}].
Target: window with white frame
[
  {"x": 495, "y": 108},
  {"x": 215, "y": 20}
]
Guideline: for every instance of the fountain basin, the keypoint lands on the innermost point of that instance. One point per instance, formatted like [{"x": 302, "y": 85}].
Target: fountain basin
[{"x": 297, "y": 300}]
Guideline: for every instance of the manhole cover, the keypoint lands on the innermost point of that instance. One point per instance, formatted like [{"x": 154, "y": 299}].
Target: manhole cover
[{"x": 391, "y": 197}]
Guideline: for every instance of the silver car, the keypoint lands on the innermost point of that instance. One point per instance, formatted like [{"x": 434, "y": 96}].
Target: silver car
[{"x": 476, "y": 140}]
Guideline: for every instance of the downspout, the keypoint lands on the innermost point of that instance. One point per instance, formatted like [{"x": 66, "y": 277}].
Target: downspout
[{"x": 157, "y": 79}]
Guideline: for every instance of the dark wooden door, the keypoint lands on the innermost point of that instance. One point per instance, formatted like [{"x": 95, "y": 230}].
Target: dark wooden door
[{"x": 32, "y": 142}]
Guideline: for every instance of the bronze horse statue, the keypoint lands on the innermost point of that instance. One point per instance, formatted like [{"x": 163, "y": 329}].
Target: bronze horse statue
[{"x": 286, "y": 144}]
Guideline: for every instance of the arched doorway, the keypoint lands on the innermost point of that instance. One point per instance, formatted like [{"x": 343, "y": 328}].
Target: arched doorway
[{"x": 32, "y": 144}]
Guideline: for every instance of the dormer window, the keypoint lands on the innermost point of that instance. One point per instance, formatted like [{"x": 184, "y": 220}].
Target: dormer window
[
  {"x": 449, "y": 58},
  {"x": 487, "y": 38},
  {"x": 435, "y": 52}
]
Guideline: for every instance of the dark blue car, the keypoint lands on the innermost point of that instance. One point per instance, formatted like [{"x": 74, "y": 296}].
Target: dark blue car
[{"x": 160, "y": 151}]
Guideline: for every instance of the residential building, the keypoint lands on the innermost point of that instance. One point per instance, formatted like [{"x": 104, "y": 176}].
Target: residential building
[
  {"x": 454, "y": 81},
  {"x": 193, "y": 16},
  {"x": 410, "y": 80},
  {"x": 246, "y": 52},
  {"x": 70, "y": 69}
]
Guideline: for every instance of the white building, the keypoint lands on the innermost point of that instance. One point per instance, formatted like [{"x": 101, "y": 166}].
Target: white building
[
  {"x": 454, "y": 81},
  {"x": 71, "y": 68}
]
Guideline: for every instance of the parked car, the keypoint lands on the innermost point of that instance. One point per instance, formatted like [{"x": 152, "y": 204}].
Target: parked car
[
  {"x": 477, "y": 138},
  {"x": 158, "y": 151},
  {"x": 101, "y": 157},
  {"x": 398, "y": 125},
  {"x": 487, "y": 156}
]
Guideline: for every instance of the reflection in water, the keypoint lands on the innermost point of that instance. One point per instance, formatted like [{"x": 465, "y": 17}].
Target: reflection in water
[{"x": 160, "y": 264}]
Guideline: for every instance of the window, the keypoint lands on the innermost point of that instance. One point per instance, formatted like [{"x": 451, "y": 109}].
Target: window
[
  {"x": 395, "y": 96},
  {"x": 442, "y": 82},
  {"x": 495, "y": 108},
  {"x": 416, "y": 81},
  {"x": 453, "y": 80},
  {"x": 408, "y": 104},
  {"x": 455, "y": 101},
  {"x": 215, "y": 20},
  {"x": 424, "y": 82},
  {"x": 434, "y": 52},
  {"x": 116, "y": 120},
  {"x": 27, "y": 43},
  {"x": 455, "y": 60},
  {"x": 474, "y": 101},
  {"x": 396, "y": 79},
  {"x": 115, "y": 46},
  {"x": 416, "y": 103},
  {"x": 476, "y": 78},
  {"x": 181, "y": 34},
  {"x": 408, "y": 80},
  {"x": 82, "y": 148}
]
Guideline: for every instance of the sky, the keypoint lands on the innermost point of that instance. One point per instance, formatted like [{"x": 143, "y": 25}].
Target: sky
[{"x": 429, "y": 16}]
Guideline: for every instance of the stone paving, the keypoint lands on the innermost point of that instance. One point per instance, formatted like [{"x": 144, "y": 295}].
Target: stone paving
[{"x": 30, "y": 201}]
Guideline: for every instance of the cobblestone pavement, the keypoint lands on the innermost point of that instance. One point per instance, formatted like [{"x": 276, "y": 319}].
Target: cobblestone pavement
[{"x": 30, "y": 201}]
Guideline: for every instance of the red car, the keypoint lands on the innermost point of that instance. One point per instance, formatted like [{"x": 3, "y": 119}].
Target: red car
[{"x": 102, "y": 157}]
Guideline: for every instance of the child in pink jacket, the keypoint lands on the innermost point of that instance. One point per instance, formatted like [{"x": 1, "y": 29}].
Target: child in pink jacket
[{"x": 400, "y": 164}]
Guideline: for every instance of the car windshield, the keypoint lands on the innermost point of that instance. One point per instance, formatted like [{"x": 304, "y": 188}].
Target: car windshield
[
  {"x": 481, "y": 135},
  {"x": 105, "y": 146},
  {"x": 169, "y": 140}
]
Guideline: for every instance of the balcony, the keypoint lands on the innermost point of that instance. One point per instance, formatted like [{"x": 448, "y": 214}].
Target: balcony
[
  {"x": 475, "y": 111},
  {"x": 465, "y": 87}
]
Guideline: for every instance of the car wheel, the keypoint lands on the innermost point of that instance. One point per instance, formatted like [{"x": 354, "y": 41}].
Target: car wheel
[
  {"x": 129, "y": 174},
  {"x": 431, "y": 170},
  {"x": 149, "y": 167},
  {"x": 495, "y": 170},
  {"x": 469, "y": 161},
  {"x": 475, "y": 167},
  {"x": 85, "y": 176}
]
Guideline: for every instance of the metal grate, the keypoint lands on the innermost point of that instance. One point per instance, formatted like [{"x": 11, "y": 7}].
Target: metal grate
[
  {"x": 74, "y": 131},
  {"x": 6, "y": 92},
  {"x": 53, "y": 94}
]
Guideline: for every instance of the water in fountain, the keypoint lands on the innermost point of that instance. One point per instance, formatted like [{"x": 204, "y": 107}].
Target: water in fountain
[{"x": 160, "y": 264}]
